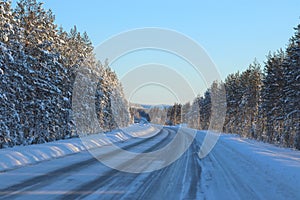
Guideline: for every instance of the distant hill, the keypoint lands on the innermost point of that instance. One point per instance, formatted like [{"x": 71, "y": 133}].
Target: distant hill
[
  {"x": 161, "y": 106},
  {"x": 146, "y": 106}
]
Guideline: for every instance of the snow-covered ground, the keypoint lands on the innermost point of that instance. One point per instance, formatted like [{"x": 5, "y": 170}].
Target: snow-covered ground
[
  {"x": 239, "y": 168},
  {"x": 236, "y": 168},
  {"x": 19, "y": 156}
]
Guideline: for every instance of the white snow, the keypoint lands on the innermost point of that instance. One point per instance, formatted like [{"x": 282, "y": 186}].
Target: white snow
[
  {"x": 18, "y": 156},
  {"x": 239, "y": 168},
  {"x": 236, "y": 168},
  {"x": 143, "y": 130}
]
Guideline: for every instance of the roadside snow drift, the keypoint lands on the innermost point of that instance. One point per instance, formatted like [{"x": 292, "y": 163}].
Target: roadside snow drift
[
  {"x": 18, "y": 156},
  {"x": 240, "y": 168}
]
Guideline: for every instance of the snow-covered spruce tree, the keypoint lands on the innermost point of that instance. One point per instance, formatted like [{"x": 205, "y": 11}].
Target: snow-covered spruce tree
[
  {"x": 111, "y": 105},
  {"x": 233, "y": 97},
  {"x": 272, "y": 95},
  {"x": 200, "y": 112},
  {"x": 79, "y": 53},
  {"x": 193, "y": 116},
  {"x": 218, "y": 101},
  {"x": 38, "y": 65},
  {"x": 158, "y": 114},
  {"x": 292, "y": 91},
  {"x": 251, "y": 82},
  {"x": 44, "y": 107},
  {"x": 243, "y": 100},
  {"x": 7, "y": 22},
  {"x": 205, "y": 110},
  {"x": 174, "y": 114},
  {"x": 39, "y": 30},
  {"x": 184, "y": 112},
  {"x": 10, "y": 79},
  {"x": 103, "y": 105},
  {"x": 264, "y": 106},
  {"x": 120, "y": 110},
  {"x": 5, "y": 31}
]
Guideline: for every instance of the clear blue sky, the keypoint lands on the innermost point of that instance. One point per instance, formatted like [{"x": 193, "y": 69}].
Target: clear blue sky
[{"x": 232, "y": 32}]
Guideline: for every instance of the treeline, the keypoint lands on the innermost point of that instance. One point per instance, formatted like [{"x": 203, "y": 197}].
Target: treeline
[
  {"x": 261, "y": 104},
  {"x": 174, "y": 114},
  {"x": 139, "y": 115},
  {"x": 38, "y": 65}
]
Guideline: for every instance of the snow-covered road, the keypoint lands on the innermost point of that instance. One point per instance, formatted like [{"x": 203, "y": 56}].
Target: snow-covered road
[
  {"x": 82, "y": 176},
  {"x": 245, "y": 169},
  {"x": 235, "y": 169}
]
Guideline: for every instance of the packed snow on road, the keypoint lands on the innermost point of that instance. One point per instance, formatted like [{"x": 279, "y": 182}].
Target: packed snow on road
[{"x": 236, "y": 168}]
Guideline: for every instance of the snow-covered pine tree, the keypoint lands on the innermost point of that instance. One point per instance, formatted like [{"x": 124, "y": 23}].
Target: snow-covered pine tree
[
  {"x": 111, "y": 105},
  {"x": 38, "y": 66},
  {"x": 292, "y": 91},
  {"x": 39, "y": 30},
  {"x": 272, "y": 94},
  {"x": 11, "y": 80},
  {"x": 120, "y": 111},
  {"x": 205, "y": 110},
  {"x": 243, "y": 99},
  {"x": 253, "y": 90},
  {"x": 174, "y": 114},
  {"x": 7, "y": 22},
  {"x": 44, "y": 106},
  {"x": 193, "y": 116},
  {"x": 185, "y": 109},
  {"x": 218, "y": 106},
  {"x": 233, "y": 97}
]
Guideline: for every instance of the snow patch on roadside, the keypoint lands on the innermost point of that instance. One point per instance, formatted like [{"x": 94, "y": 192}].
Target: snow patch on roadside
[
  {"x": 276, "y": 161},
  {"x": 19, "y": 156},
  {"x": 245, "y": 168},
  {"x": 143, "y": 130}
]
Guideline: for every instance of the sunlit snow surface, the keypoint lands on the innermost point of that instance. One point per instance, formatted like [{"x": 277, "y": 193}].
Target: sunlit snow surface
[
  {"x": 237, "y": 168},
  {"x": 15, "y": 157},
  {"x": 241, "y": 168}
]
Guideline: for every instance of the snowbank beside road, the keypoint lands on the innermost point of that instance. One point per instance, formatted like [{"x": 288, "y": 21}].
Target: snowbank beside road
[
  {"x": 283, "y": 163},
  {"x": 239, "y": 168},
  {"x": 18, "y": 156}
]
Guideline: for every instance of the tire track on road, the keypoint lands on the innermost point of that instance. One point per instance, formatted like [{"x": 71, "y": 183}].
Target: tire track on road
[
  {"x": 39, "y": 181},
  {"x": 80, "y": 192}
]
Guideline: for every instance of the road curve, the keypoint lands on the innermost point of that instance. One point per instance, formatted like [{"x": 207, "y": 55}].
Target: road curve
[{"x": 81, "y": 176}]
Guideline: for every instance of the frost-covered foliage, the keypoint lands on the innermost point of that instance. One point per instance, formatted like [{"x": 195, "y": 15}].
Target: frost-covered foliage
[
  {"x": 174, "y": 114},
  {"x": 199, "y": 115},
  {"x": 261, "y": 105},
  {"x": 111, "y": 105},
  {"x": 243, "y": 100},
  {"x": 38, "y": 65}
]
